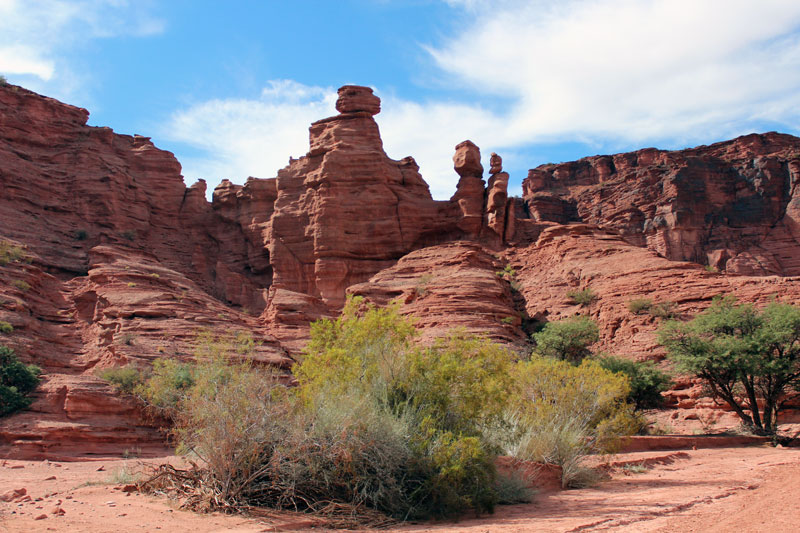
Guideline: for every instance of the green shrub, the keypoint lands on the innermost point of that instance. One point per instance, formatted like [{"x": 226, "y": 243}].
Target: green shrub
[
  {"x": 11, "y": 253},
  {"x": 564, "y": 412},
  {"x": 450, "y": 395},
  {"x": 664, "y": 310},
  {"x": 647, "y": 382},
  {"x": 639, "y": 306},
  {"x": 167, "y": 384},
  {"x": 126, "y": 379},
  {"x": 16, "y": 382},
  {"x": 80, "y": 234},
  {"x": 5, "y": 327},
  {"x": 567, "y": 339},
  {"x": 583, "y": 297},
  {"x": 22, "y": 285}
]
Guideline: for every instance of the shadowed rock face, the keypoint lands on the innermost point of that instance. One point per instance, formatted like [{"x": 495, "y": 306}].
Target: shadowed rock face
[
  {"x": 127, "y": 264},
  {"x": 732, "y": 205}
]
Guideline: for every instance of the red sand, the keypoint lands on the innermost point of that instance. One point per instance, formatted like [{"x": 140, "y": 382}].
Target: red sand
[{"x": 721, "y": 490}]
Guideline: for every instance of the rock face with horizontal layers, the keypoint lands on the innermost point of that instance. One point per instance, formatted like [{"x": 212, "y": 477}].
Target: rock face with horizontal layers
[
  {"x": 124, "y": 264},
  {"x": 733, "y": 205}
]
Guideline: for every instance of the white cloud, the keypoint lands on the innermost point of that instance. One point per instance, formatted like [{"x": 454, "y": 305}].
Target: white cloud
[
  {"x": 613, "y": 74},
  {"x": 35, "y": 36},
  {"x": 242, "y": 137},
  {"x": 632, "y": 70}
]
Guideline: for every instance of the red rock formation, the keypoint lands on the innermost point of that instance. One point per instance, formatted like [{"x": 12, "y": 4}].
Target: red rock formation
[
  {"x": 732, "y": 205},
  {"x": 127, "y": 264}
]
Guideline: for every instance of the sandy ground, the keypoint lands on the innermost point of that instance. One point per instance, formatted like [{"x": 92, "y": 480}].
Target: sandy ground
[{"x": 738, "y": 490}]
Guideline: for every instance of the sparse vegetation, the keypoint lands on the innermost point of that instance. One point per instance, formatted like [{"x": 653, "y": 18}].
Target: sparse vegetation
[
  {"x": 126, "y": 379},
  {"x": 646, "y": 381},
  {"x": 131, "y": 284},
  {"x": 128, "y": 339},
  {"x": 11, "y": 253},
  {"x": 639, "y": 306},
  {"x": 567, "y": 339},
  {"x": 422, "y": 284},
  {"x": 17, "y": 381},
  {"x": 565, "y": 412},
  {"x": 664, "y": 310},
  {"x": 582, "y": 297},
  {"x": 154, "y": 275},
  {"x": 5, "y": 327},
  {"x": 749, "y": 358},
  {"x": 128, "y": 235},
  {"x": 80, "y": 234},
  {"x": 22, "y": 285},
  {"x": 3, "y": 80},
  {"x": 507, "y": 320},
  {"x": 375, "y": 422}
]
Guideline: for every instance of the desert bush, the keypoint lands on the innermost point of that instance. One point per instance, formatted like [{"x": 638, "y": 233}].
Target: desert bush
[
  {"x": 567, "y": 339},
  {"x": 512, "y": 488},
  {"x": 448, "y": 395},
  {"x": 17, "y": 381},
  {"x": 22, "y": 285},
  {"x": 583, "y": 297},
  {"x": 80, "y": 234},
  {"x": 3, "y": 80},
  {"x": 638, "y": 306},
  {"x": 169, "y": 381},
  {"x": 564, "y": 412},
  {"x": 10, "y": 253},
  {"x": 126, "y": 379},
  {"x": 647, "y": 381},
  {"x": 5, "y": 327},
  {"x": 663, "y": 310}
]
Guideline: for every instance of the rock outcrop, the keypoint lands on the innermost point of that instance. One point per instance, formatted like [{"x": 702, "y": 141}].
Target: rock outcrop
[
  {"x": 124, "y": 264},
  {"x": 733, "y": 205}
]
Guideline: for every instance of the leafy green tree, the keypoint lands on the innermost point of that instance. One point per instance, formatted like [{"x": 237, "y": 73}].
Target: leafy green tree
[
  {"x": 747, "y": 357},
  {"x": 567, "y": 339},
  {"x": 646, "y": 380},
  {"x": 16, "y": 382}
]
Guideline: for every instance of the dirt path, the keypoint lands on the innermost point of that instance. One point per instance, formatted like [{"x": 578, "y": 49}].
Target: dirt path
[{"x": 719, "y": 490}]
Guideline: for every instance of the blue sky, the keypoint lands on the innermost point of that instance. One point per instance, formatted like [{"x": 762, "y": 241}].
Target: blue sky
[{"x": 231, "y": 86}]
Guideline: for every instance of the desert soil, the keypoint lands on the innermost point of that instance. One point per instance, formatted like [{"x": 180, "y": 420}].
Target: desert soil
[{"x": 710, "y": 490}]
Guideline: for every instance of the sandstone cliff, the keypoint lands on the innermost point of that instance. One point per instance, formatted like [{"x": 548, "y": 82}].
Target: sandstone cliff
[{"x": 126, "y": 264}]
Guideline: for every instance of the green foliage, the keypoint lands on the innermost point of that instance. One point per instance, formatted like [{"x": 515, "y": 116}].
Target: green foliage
[
  {"x": 80, "y": 234},
  {"x": 639, "y": 306},
  {"x": 22, "y": 285},
  {"x": 128, "y": 235},
  {"x": 126, "y": 379},
  {"x": 448, "y": 396},
  {"x": 564, "y": 412},
  {"x": 508, "y": 272},
  {"x": 507, "y": 320},
  {"x": 647, "y": 382},
  {"x": 663, "y": 310},
  {"x": 567, "y": 339},
  {"x": 5, "y": 327},
  {"x": 583, "y": 297},
  {"x": 11, "y": 253},
  {"x": 166, "y": 386},
  {"x": 512, "y": 488},
  {"x": 17, "y": 381},
  {"x": 748, "y": 358}
]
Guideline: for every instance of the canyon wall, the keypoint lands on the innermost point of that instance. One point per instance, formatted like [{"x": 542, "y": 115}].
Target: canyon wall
[{"x": 125, "y": 264}]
